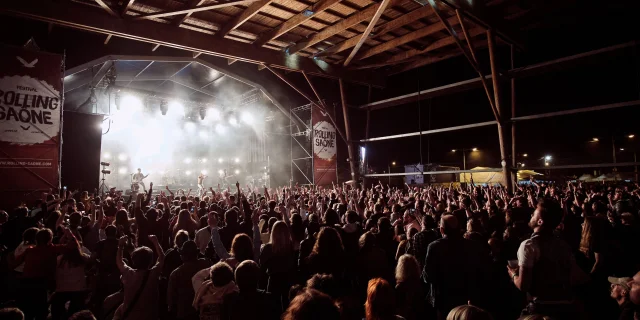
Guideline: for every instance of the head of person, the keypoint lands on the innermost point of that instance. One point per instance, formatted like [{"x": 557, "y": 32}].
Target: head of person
[
  {"x": 326, "y": 284},
  {"x": 272, "y": 205},
  {"x": 184, "y": 216},
  {"x": 139, "y": 170},
  {"x": 122, "y": 217},
  {"x": 181, "y": 237},
  {"x": 189, "y": 251},
  {"x": 468, "y": 312},
  {"x": 242, "y": 247},
  {"x": 20, "y": 212},
  {"x": 221, "y": 274},
  {"x": 408, "y": 269},
  {"x": 547, "y": 216},
  {"x": 380, "y": 302},
  {"x": 331, "y": 218},
  {"x": 449, "y": 226},
  {"x": 4, "y": 217},
  {"x": 152, "y": 214},
  {"x": 44, "y": 237},
  {"x": 328, "y": 243},
  {"x": 620, "y": 289},
  {"x": 311, "y": 304},
  {"x": 247, "y": 276},
  {"x": 281, "y": 238},
  {"x": 111, "y": 231},
  {"x": 142, "y": 258},
  {"x": 271, "y": 222},
  {"x": 367, "y": 241},
  {"x": 11, "y": 314},
  {"x": 408, "y": 218},
  {"x": 231, "y": 217},
  {"x": 29, "y": 236},
  {"x": 352, "y": 216},
  {"x": 312, "y": 229},
  {"x": 82, "y": 315}
]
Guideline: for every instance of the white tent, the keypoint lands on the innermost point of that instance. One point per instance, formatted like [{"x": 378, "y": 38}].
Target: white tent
[{"x": 493, "y": 177}]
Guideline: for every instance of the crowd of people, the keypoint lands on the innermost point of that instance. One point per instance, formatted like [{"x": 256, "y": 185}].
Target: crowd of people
[{"x": 375, "y": 252}]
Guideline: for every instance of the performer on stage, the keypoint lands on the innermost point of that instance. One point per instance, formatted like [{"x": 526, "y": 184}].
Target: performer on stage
[
  {"x": 201, "y": 178},
  {"x": 137, "y": 179}
]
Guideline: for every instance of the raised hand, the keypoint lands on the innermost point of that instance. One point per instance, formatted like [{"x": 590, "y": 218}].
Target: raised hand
[
  {"x": 122, "y": 241},
  {"x": 153, "y": 239}
]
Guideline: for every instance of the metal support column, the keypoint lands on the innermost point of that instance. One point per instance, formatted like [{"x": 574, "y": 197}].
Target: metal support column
[
  {"x": 514, "y": 163},
  {"x": 496, "y": 93},
  {"x": 347, "y": 128}
]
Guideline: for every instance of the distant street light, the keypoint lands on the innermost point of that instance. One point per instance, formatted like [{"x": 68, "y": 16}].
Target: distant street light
[
  {"x": 631, "y": 136},
  {"x": 547, "y": 158},
  {"x": 595, "y": 140}
]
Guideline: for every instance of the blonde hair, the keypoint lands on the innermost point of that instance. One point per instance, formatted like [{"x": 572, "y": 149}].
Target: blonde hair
[
  {"x": 408, "y": 269},
  {"x": 468, "y": 312},
  {"x": 281, "y": 238}
]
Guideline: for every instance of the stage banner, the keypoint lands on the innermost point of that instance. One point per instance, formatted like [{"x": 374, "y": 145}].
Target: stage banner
[
  {"x": 325, "y": 148},
  {"x": 30, "y": 104}
]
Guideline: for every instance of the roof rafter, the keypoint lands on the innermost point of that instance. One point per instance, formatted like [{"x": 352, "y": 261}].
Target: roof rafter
[
  {"x": 191, "y": 4},
  {"x": 295, "y": 21},
  {"x": 125, "y": 7},
  {"x": 247, "y": 14},
  {"x": 366, "y": 32},
  {"x": 339, "y": 26},
  {"x": 169, "y": 13},
  {"x": 420, "y": 33},
  {"x": 106, "y": 7}
]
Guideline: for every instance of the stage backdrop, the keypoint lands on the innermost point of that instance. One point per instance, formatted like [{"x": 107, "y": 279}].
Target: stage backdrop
[
  {"x": 81, "y": 143},
  {"x": 324, "y": 147},
  {"x": 30, "y": 104}
]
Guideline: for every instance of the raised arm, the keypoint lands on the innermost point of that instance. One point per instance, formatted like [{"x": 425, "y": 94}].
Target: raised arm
[
  {"x": 218, "y": 247},
  {"x": 122, "y": 266},
  {"x": 159, "y": 251}
]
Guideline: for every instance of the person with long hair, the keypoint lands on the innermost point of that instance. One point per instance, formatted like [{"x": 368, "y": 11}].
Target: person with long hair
[
  {"x": 28, "y": 240},
  {"x": 327, "y": 255},
  {"x": 71, "y": 282},
  {"x": 277, "y": 260},
  {"x": 592, "y": 245},
  {"x": 242, "y": 247},
  {"x": 381, "y": 301},
  {"x": 311, "y": 305},
  {"x": 185, "y": 222},
  {"x": 409, "y": 293}
]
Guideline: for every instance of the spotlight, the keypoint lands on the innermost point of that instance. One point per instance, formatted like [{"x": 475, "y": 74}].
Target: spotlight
[
  {"x": 122, "y": 157},
  {"x": 237, "y": 160},
  {"x": 546, "y": 164},
  {"x": 221, "y": 129},
  {"x": 213, "y": 113},
  {"x": 164, "y": 107},
  {"x": 106, "y": 171},
  {"x": 106, "y": 155},
  {"x": 132, "y": 102},
  {"x": 122, "y": 170},
  {"x": 204, "y": 160},
  {"x": 525, "y": 155},
  {"x": 203, "y": 171},
  {"x": 203, "y": 113},
  {"x": 246, "y": 117},
  {"x": 596, "y": 139},
  {"x": 233, "y": 121},
  {"x": 105, "y": 164},
  {"x": 220, "y": 171},
  {"x": 190, "y": 126},
  {"x": 220, "y": 160},
  {"x": 187, "y": 160},
  {"x": 621, "y": 149},
  {"x": 547, "y": 158},
  {"x": 237, "y": 171},
  {"x": 453, "y": 150},
  {"x": 203, "y": 134},
  {"x": 176, "y": 108},
  {"x": 188, "y": 172}
]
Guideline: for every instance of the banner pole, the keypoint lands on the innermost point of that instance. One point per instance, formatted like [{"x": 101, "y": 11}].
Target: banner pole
[{"x": 63, "y": 67}]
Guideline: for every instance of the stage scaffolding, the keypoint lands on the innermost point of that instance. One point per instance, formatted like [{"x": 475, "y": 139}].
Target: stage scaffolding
[{"x": 301, "y": 147}]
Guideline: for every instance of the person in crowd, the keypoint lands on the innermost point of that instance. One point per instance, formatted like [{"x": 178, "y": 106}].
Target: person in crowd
[
  {"x": 547, "y": 269},
  {"x": 209, "y": 298},
  {"x": 172, "y": 259},
  {"x": 311, "y": 305},
  {"x": 242, "y": 247},
  {"x": 620, "y": 293},
  {"x": 180, "y": 292},
  {"x": 104, "y": 257},
  {"x": 250, "y": 302},
  {"x": 410, "y": 296},
  {"x": 278, "y": 260},
  {"x": 371, "y": 261},
  {"x": 455, "y": 268},
  {"x": 140, "y": 280},
  {"x": 468, "y": 312},
  {"x": 231, "y": 228},
  {"x": 28, "y": 240},
  {"x": 381, "y": 300},
  {"x": 185, "y": 222},
  {"x": 71, "y": 282},
  {"x": 11, "y": 314},
  {"x": 328, "y": 254},
  {"x": 419, "y": 243}
]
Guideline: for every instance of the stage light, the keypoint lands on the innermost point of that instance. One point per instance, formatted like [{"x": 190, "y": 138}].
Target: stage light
[
  {"x": 203, "y": 113},
  {"x": 105, "y": 164},
  {"x": 190, "y": 127},
  {"x": 164, "y": 107},
  {"x": 188, "y": 172},
  {"x": 122, "y": 170},
  {"x": 220, "y": 171},
  {"x": 203, "y": 134},
  {"x": 220, "y": 160},
  {"x": 547, "y": 158},
  {"x": 106, "y": 171},
  {"x": 204, "y": 172},
  {"x": 187, "y": 160},
  {"x": 213, "y": 114},
  {"x": 221, "y": 129},
  {"x": 233, "y": 121},
  {"x": 132, "y": 103},
  {"x": 176, "y": 108},
  {"x": 122, "y": 157},
  {"x": 237, "y": 160},
  {"x": 106, "y": 155},
  {"x": 204, "y": 160},
  {"x": 237, "y": 171},
  {"x": 247, "y": 117},
  {"x": 525, "y": 155}
]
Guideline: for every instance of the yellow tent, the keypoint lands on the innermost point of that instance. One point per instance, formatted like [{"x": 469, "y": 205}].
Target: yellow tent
[{"x": 493, "y": 177}]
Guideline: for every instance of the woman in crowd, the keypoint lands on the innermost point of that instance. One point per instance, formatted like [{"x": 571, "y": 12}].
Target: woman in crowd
[
  {"x": 278, "y": 260},
  {"x": 409, "y": 292},
  {"x": 381, "y": 301}
]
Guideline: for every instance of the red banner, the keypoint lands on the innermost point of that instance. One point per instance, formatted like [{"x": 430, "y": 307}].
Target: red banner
[
  {"x": 324, "y": 147},
  {"x": 30, "y": 106}
]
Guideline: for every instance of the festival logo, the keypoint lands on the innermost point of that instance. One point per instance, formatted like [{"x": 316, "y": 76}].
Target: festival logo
[
  {"x": 29, "y": 109},
  {"x": 324, "y": 140}
]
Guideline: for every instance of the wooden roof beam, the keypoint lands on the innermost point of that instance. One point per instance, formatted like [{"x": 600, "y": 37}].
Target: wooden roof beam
[
  {"x": 338, "y": 27},
  {"x": 169, "y": 13},
  {"x": 106, "y": 8},
  {"x": 125, "y": 7},
  {"x": 247, "y": 14},
  {"x": 83, "y": 17},
  {"x": 191, "y": 4},
  {"x": 420, "y": 33},
  {"x": 404, "y": 19},
  {"x": 295, "y": 21},
  {"x": 367, "y": 31}
]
